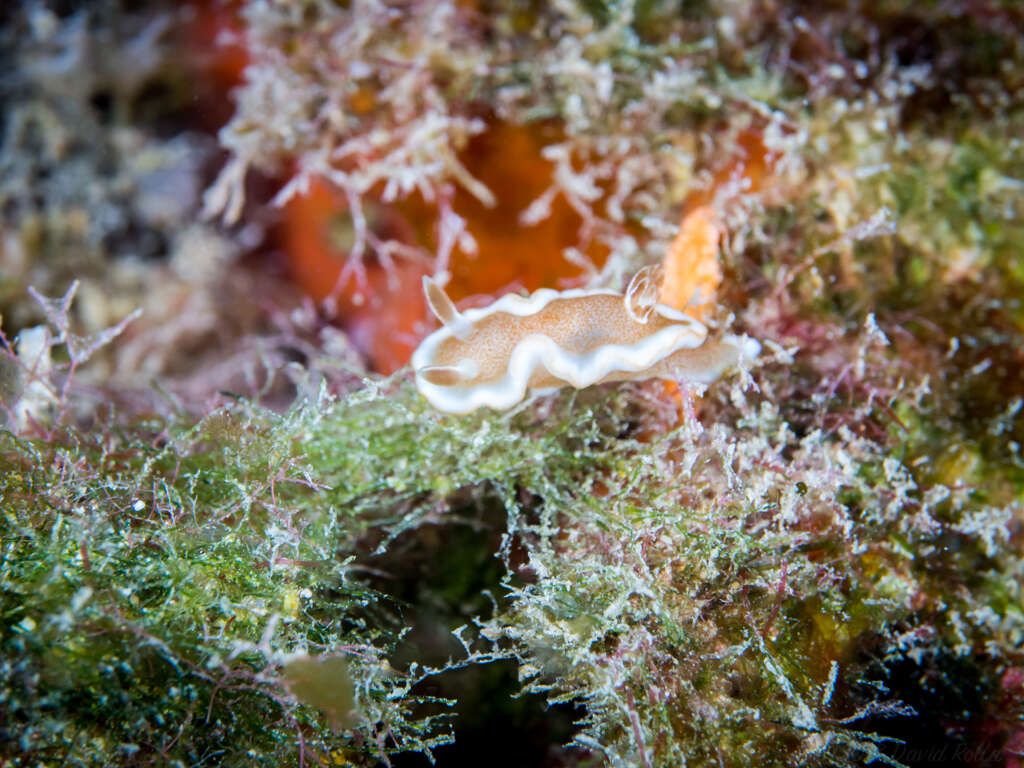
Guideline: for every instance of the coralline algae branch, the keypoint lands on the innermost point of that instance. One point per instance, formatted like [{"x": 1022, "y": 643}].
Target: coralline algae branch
[{"x": 491, "y": 356}]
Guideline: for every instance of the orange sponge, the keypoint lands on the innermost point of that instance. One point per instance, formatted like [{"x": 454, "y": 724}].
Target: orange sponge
[{"x": 691, "y": 271}]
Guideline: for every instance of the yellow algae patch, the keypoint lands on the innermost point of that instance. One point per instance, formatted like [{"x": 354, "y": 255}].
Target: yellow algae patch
[{"x": 323, "y": 682}]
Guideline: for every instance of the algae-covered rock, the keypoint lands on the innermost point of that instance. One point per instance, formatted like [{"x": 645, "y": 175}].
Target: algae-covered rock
[{"x": 224, "y": 541}]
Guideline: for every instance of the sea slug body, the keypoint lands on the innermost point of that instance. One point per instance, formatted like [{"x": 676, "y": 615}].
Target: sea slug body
[{"x": 492, "y": 356}]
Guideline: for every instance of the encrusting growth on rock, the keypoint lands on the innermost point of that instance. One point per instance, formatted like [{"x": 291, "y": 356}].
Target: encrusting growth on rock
[{"x": 691, "y": 270}]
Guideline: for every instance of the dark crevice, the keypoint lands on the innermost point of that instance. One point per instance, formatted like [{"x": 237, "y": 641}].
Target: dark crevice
[{"x": 442, "y": 576}]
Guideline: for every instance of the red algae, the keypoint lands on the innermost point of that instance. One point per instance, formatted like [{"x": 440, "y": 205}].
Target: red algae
[
  {"x": 384, "y": 317},
  {"x": 214, "y": 37},
  {"x": 387, "y": 315},
  {"x": 748, "y": 170},
  {"x": 507, "y": 159}
]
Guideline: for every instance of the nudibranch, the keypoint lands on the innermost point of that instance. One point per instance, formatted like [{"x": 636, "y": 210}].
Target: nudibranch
[{"x": 550, "y": 339}]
